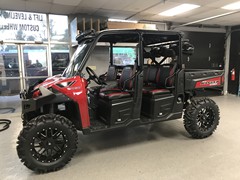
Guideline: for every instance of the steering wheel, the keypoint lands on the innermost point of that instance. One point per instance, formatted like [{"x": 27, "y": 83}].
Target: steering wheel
[{"x": 93, "y": 76}]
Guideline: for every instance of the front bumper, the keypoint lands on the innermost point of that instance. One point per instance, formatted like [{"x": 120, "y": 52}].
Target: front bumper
[{"x": 33, "y": 104}]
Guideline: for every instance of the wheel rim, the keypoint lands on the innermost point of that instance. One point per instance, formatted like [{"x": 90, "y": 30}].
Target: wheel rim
[
  {"x": 49, "y": 145},
  {"x": 205, "y": 118}
]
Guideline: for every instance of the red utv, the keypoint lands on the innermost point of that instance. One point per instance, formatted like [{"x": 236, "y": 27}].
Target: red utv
[{"x": 145, "y": 82}]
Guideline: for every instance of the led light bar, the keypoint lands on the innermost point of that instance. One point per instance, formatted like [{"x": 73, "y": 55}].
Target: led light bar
[{"x": 179, "y": 9}]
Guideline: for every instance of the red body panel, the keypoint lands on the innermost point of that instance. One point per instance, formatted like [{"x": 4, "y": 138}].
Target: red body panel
[
  {"x": 217, "y": 81},
  {"x": 74, "y": 88}
]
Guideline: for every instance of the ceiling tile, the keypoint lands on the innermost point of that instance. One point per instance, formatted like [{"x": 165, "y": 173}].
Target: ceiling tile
[
  {"x": 137, "y": 10},
  {"x": 67, "y": 2},
  {"x": 41, "y": 1},
  {"x": 113, "y": 13},
  {"x": 141, "y": 5},
  {"x": 11, "y": 5},
  {"x": 220, "y": 3},
  {"x": 142, "y": 16},
  {"x": 61, "y": 9},
  {"x": 94, "y": 4},
  {"x": 38, "y": 7},
  {"x": 118, "y": 5},
  {"x": 209, "y": 13}
]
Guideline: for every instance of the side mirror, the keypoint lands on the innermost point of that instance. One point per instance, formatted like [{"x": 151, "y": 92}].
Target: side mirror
[{"x": 187, "y": 48}]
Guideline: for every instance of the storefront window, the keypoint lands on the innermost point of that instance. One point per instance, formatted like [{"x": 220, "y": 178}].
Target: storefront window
[
  {"x": 9, "y": 66},
  {"x": 58, "y": 26},
  {"x": 25, "y": 38},
  {"x": 35, "y": 60},
  {"x": 23, "y": 26},
  {"x": 60, "y": 58}
]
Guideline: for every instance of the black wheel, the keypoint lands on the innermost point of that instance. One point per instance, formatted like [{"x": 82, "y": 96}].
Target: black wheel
[
  {"x": 201, "y": 118},
  {"x": 26, "y": 117},
  {"x": 47, "y": 143}
]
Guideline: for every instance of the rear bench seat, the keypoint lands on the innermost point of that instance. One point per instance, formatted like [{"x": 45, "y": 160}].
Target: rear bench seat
[
  {"x": 157, "y": 79},
  {"x": 157, "y": 97}
]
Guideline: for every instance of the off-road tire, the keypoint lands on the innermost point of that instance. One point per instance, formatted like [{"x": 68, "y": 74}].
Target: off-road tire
[
  {"x": 201, "y": 118},
  {"x": 26, "y": 117},
  {"x": 42, "y": 130}
]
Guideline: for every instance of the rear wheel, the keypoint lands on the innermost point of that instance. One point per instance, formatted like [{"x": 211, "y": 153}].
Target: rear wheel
[
  {"x": 47, "y": 143},
  {"x": 201, "y": 118}
]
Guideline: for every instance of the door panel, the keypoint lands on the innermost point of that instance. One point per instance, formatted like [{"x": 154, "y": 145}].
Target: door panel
[
  {"x": 35, "y": 64},
  {"x": 35, "y": 60}
]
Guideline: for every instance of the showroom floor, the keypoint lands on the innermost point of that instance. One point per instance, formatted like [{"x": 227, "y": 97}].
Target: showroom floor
[{"x": 159, "y": 151}]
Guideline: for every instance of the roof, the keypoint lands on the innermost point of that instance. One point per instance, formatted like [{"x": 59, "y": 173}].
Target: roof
[
  {"x": 145, "y": 31},
  {"x": 127, "y": 35}
]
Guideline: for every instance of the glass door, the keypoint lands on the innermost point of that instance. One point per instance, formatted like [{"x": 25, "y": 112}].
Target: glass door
[
  {"x": 10, "y": 78},
  {"x": 22, "y": 66},
  {"x": 34, "y": 64}
]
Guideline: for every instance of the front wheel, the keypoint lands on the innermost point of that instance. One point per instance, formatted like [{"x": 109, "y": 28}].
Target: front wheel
[
  {"x": 47, "y": 143},
  {"x": 201, "y": 118}
]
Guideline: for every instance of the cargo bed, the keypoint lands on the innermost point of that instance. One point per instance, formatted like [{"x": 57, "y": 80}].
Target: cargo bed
[{"x": 203, "y": 78}]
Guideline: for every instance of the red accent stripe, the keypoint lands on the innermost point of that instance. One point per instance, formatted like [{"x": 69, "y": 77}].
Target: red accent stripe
[
  {"x": 209, "y": 82},
  {"x": 114, "y": 94},
  {"x": 160, "y": 90}
]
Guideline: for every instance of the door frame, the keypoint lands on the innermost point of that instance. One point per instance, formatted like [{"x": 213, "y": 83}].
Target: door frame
[{"x": 20, "y": 55}]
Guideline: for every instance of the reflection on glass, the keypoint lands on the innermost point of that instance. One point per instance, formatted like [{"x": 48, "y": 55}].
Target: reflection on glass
[
  {"x": 9, "y": 66},
  {"x": 58, "y": 25},
  {"x": 31, "y": 82},
  {"x": 35, "y": 60},
  {"x": 77, "y": 58},
  {"x": 60, "y": 58},
  {"x": 9, "y": 87}
]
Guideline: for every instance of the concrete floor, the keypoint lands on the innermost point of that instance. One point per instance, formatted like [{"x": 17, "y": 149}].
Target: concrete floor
[{"x": 159, "y": 151}]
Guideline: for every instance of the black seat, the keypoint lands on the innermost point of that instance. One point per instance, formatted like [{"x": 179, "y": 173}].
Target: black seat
[
  {"x": 109, "y": 78},
  {"x": 125, "y": 85},
  {"x": 149, "y": 76},
  {"x": 165, "y": 75},
  {"x": 111, "y": 73},
  {"x": 163, "y": 81}
]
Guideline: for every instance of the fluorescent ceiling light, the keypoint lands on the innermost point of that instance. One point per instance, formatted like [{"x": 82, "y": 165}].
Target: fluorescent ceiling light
[
  {"x": 179, "y": 9},
  {"x": 122, "y": 20},
  {"x": 232, "y": 6}
]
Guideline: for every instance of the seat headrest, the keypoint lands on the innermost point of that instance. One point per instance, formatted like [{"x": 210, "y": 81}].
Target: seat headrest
[{"x": 162, "y": 51}]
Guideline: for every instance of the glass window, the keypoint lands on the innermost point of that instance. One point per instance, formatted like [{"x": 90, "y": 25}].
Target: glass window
[
  {"x": 33, "y": 81},
  {"x": 123, "y": 56},
  {"x": 58, "y": 26},
  {"x": 23, "y": 26},
  {"x": 35, "y": 60},
  {"x": 77, "y": 58},
  {"x": 9, "y": 66},
  {"x": 60, "y": 58}
]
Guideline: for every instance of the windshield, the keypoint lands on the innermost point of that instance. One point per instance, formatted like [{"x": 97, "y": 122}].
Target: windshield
[{"x": 77, "y": 58}]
